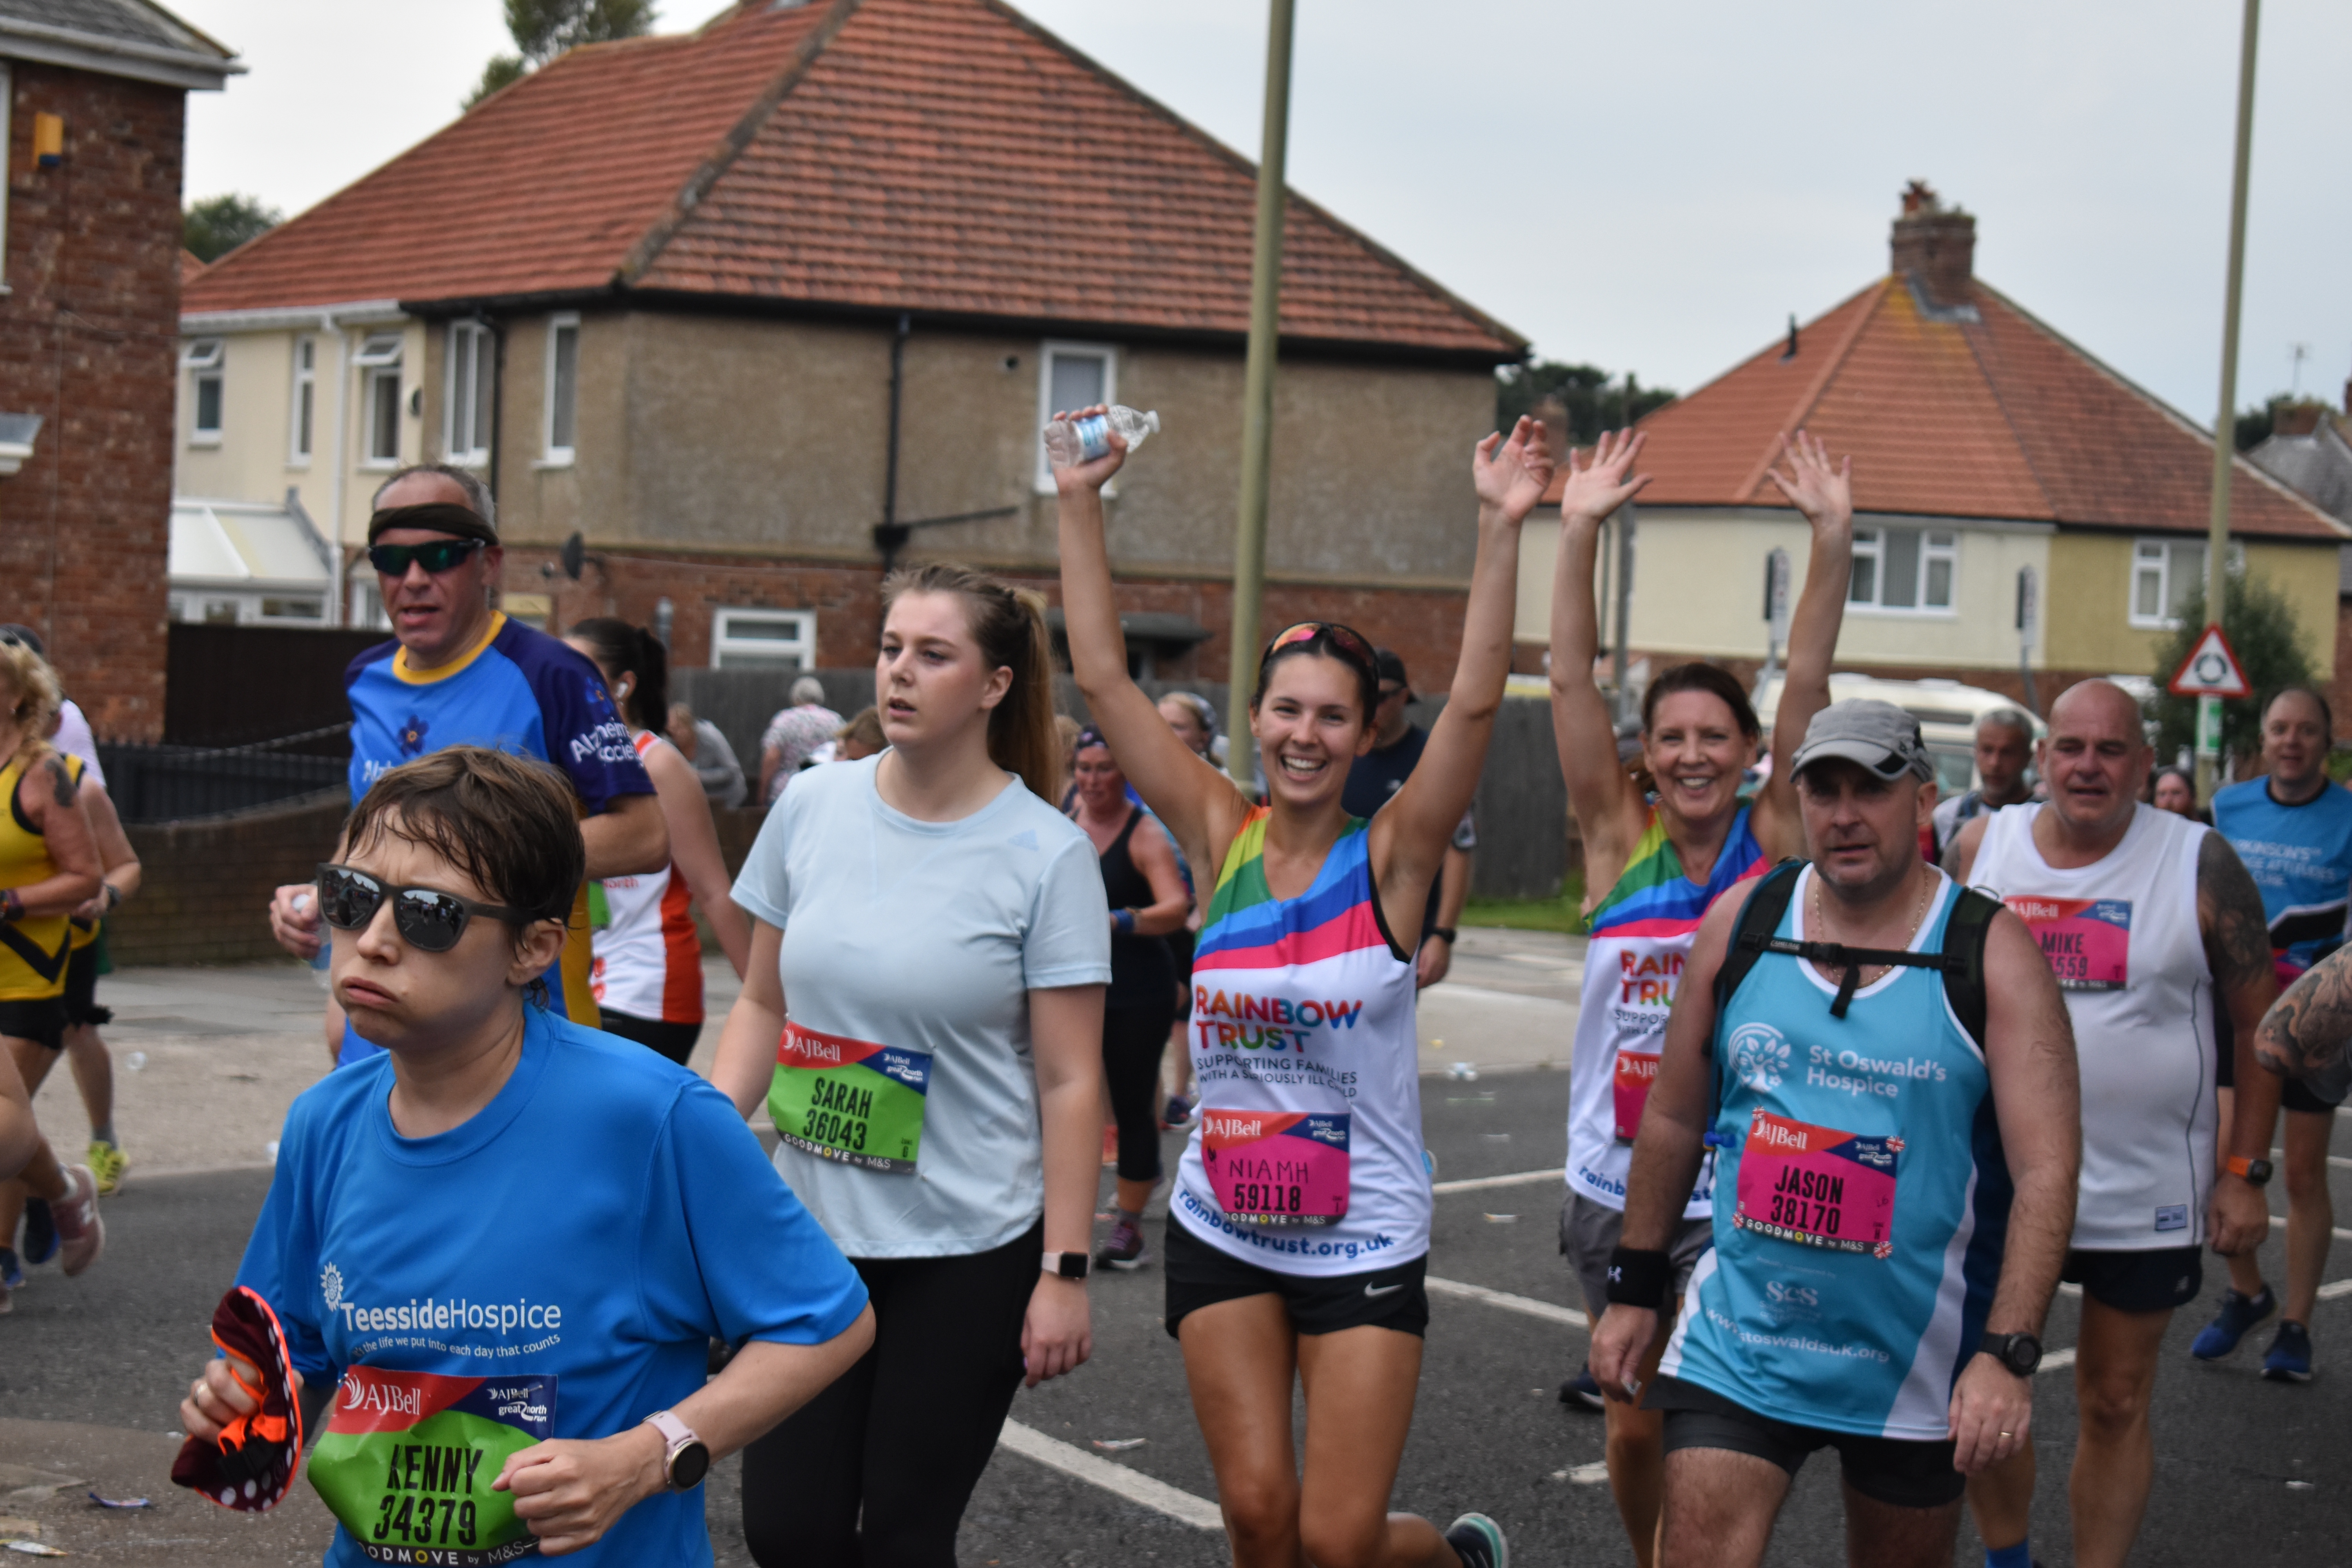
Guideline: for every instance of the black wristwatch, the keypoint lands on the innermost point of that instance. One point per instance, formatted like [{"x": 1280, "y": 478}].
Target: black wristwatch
[
  {"x": 2254, "y": 1173},
  {"x": 1066, "y": 1265},
  {"x": 2020, "y": 1353},
  {"x": 1447, "y": 932}
]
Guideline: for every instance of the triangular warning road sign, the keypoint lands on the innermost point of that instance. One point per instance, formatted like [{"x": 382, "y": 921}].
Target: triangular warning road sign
[{"x": 2211, "y": 669}]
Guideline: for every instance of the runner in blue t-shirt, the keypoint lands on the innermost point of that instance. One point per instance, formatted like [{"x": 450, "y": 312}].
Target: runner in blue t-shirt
[
  {"x": 460, "y": 673},
  {"x": 1893, "y": 1194},
  {"x": 506, "y": 1244},
  {"x": 2293, "y": 828}
]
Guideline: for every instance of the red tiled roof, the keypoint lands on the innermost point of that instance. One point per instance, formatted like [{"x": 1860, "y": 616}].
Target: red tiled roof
[
  {"x": 192, "y": 265},
  {"x": 936, "y": 156},
  {"x": 1997, "y": 417}
]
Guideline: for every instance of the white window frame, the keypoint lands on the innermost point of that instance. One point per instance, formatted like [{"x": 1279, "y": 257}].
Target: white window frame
[
  {"x": 560, "y": 454},
  {"x": 1051, "y": 350},
  {"x": 207, "y": 359},
  {"x": 727, "y": 638},
  {"x": 2155, "y": 556},
  {"x": 302, "y": 403},
  {"x": 1937, "y": 545},
  {"x": 465, "y": 435},
  {"x": 378, "y": 364}
]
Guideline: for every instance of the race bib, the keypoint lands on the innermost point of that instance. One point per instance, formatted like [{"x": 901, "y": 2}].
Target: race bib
[
  {"x": 1277, "y": 1167},
  {"x": 407, "y": 1460},
  {"x": 1817, "y": 1185},
  {"x": 1636, "y": 1071},
  {"x": 600, "y": 909},
  {"x": 2086, "y": 940},
  {"x": 850, "y": 1100}
]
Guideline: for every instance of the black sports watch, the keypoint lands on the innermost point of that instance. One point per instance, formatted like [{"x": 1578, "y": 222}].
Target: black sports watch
[
  {"x": 2020, "y": 1353},
  {"x": 1448, "y": 933},
  {"x": 2255, "y": 1173},
  {"x": 1067, "y": 1264}
]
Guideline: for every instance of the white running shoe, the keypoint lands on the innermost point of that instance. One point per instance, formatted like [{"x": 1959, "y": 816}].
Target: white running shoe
[{"x": 79, "y": 1224}]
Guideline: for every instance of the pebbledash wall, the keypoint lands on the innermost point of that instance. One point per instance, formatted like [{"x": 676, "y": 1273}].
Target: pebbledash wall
[{"x": 89, "y": 334}]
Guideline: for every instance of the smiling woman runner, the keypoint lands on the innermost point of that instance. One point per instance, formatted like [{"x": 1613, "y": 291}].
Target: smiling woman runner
[
  {"x": 1298, "y": 1237},
  {"x": 940, "y": 933},
  {"x": 512, "y": 1237}
]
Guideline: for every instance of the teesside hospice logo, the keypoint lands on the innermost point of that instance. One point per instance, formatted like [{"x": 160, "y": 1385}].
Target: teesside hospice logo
[{"x": 437, "y": 1313}]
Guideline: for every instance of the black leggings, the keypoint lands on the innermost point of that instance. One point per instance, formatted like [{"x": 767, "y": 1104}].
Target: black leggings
[
  {"x": 906, "y": 1432},
  {"x": 1133, "y": 1038},
  {"x": 675, "y": 1041}
]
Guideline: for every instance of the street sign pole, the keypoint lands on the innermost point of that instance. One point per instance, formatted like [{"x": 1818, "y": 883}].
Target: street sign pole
[
  {"x": 2028, "y": 622},
  {"x": 1776, "y": 616},
  {"x": 2217, "y": 533}
]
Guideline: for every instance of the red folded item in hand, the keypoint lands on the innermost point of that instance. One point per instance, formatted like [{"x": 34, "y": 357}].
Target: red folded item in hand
[{"x": 256, "y": 1455}]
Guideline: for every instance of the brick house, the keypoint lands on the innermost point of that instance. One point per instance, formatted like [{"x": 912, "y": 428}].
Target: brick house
[
  {"x": 1983, "y": 442},
  {"x": 2310, "y": 447},
  {"x": 740, "y": 306},
  {"x": 92, "y": 99}
]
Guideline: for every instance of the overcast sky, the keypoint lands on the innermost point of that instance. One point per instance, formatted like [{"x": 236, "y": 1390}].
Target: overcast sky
[{"x": 1645, "y": 186}]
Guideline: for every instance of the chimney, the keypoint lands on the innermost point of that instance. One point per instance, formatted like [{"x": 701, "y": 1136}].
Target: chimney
[
  {"x": 2297, "y": 418},
  {"x": 1934, "y": 246}
]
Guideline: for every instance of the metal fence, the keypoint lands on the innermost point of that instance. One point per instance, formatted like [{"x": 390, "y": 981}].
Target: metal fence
[{"x": 180, "y": 783}]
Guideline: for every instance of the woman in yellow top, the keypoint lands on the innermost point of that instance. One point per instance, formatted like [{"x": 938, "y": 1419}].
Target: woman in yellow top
[{"x": 48, "y": 867}]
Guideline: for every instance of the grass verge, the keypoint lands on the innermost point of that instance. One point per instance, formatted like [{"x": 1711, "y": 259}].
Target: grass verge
[{"x": 1563, "y": 913}]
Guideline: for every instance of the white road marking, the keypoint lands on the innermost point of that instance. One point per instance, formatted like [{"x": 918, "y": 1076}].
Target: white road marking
[
  {"x": 1133, "y": 1485},
  {"x": 1591, "y": 1475},
  {"x": 2278, "y": 1222},
  {"x": 2066, "y": 1290},
  {"x": 2056, "y": 1359},
  {"x": 1519, "y": 1179},
  {"x": 1454, "y": 988},
  {"x": 1508, "y": 1302},
  {"x": 2329, "y": 1292}
]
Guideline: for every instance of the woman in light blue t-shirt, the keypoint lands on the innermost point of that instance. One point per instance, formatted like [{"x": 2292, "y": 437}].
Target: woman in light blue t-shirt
[{"x": 923, "y": 1017}]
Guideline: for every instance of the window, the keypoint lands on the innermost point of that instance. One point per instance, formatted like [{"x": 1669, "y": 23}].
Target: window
[
  {"x": 1072, "y": 375},
  {"x": 305, "y": 401},
  {"x": 1902, "y": 568},
  {"x": 378, "y": 362},
  {"x": 780, "y": 640},
  {"x": 473, "y": 370},
  {"x": 204, "y": 357},
  {"x": 367, "y": 602},
  {"x": 305, "y": 608},
  {"x": 2168, "y": 575},
  {"x": 220, "y": 611},
  {"x": 563, "y": 385}
]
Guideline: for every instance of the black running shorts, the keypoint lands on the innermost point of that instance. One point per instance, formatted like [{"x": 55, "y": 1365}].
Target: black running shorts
[
  {"x": 81, "y": 989},
  {"x": 2151, "y": 1281},
  {"x": 43, "y": 1022},
  {"x": 1891, "y": 1470},
  {"x": 1201, "y": 1276},
  {"x": 2296, "y": 1096}
]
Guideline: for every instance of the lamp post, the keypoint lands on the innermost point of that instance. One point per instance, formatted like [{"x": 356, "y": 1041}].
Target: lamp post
[{"x": 2217, "y": 530}]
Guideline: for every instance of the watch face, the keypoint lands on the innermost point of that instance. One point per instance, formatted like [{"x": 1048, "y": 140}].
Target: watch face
[
  {"x": 687, "y": 1469},
  {"x": 2023, "y": 1354}
]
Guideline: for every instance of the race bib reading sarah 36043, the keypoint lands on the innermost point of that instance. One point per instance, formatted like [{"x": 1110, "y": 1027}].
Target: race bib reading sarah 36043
[{"x": 851, "y": 1101}]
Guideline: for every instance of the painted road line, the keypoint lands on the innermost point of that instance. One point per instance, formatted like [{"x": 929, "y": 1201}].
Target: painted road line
[
  {"x": 1591, "y": 1475},
  {"x": 2329, "y": 1292},
  {"x": 1508, "y": 1302},
  {"x": 2066, "y": 1290},
  {"x": 2056, "y": 1359},
  {"x": 2278, "y": 1222},
  {"x": 1454, "y": 989},
  {"x": 1479, "y": 1183},
  {"x": 1133, "y": 1485}
]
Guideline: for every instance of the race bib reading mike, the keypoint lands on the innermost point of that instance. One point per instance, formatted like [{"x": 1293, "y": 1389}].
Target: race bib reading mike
[
  {"x": 407, "y": 1460},
  {"x": 2086, "y": 940},
  {"x": 1817, "y": 1185},
  {"x": 851, "y": 1101},
  {"x": 1273, "y": 1167}
]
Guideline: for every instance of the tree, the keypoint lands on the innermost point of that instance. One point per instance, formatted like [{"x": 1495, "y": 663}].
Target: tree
[
  {"x": 218, "y": 224},
  {"x": 543, "y": 29},
  {"x": 2255, "y": 423},
  {"x": 1593, "y": 402},
  {"x": 2261, "y": 630}
]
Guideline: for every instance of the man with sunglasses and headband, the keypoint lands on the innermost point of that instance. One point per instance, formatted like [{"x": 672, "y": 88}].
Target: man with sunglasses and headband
[{"x": 458, "y": 672}]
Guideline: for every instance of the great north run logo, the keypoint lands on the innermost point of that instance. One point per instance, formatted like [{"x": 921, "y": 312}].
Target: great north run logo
[{"x": 1760, "y": 1055}]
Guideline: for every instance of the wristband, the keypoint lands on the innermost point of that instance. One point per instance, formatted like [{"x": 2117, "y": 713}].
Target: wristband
[
  {"x": 1638, "y": 1278},
  {"x": 113, "y": 898},
  {"x": 1445, "y": 931},
  {"x": 1125, "y": 920},
  {"x": 12, "y": 905}
]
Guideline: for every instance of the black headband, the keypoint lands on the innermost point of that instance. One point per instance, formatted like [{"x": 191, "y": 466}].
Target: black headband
[{"x": 440, "y": 517}]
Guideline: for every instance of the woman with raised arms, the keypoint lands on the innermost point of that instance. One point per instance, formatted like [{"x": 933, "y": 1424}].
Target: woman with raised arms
[
  {"x": 1299, "y": 1233},
  {"x": 1655, "y": 857}
]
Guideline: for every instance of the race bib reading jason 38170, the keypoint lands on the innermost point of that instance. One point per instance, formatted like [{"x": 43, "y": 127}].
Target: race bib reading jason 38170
[
  {"x": 407, "y": 1460},
  {"x": 1817, "y": 1185}
]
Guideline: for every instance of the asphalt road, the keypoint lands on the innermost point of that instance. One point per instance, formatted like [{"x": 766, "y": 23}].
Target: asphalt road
[{"x": 2246, "y": 1470}]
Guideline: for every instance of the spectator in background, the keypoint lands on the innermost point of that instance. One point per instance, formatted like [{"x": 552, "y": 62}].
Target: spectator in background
[
  {"x": 1066, "y": 738},
  {"x": 860, "y": 738},
  {"x": 1378, "y": 775},
  {"x": 2005, "y": 751},
  {"x": 793, "y": 736},
  {"x": 2176, "y": 791},
  {"x": 1195, "y": 723},
  {"x": 70, "y": 731},
  {"x": 715, "y": 765}
]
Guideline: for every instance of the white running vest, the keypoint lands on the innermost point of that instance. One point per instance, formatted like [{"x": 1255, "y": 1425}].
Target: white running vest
[{"x": 2122, "y": 936}]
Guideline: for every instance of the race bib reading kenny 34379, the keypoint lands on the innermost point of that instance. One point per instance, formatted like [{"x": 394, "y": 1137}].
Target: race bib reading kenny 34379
[
  {"x": 851, "y": 1101},
  {"x": 407, "y": 1460}
]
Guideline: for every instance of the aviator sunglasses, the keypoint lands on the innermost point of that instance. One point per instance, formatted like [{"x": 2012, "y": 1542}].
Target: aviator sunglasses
[
  {"x": 435, "y": 556},
  {"x": 426, "y": 917}
]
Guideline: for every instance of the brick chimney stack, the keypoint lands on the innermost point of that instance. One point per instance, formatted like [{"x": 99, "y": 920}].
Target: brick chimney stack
[
  {"x": 2297, "y": 418},
  {"x": 1934, "y": 246}
]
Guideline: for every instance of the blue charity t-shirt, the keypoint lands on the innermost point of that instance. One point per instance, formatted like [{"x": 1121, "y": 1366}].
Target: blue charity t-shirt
[
  {"x": 557, "y": 1266},
  {"x": 2300, "y": 859},
  {"x": 519, "y": 691}
]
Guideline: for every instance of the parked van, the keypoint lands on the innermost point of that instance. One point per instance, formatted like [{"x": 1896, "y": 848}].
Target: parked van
[{"x": 1948, "y": 713}]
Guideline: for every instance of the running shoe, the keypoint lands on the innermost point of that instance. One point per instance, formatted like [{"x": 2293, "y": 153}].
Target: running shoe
[
  {"x": 80, "y": 1229},
  {"x": 1125, "y": 1250},
  {"x": 12, "y": 1270},
  {"x": 1178, "y": 1113},
  {"x": 1478, "y": 1541},
  {"x": 2238, "y": 1316},
  {"x": 40, "y": 1232},
  {"x": 108, "y": 1162},
  {"x": 1583, "y": 1389},
  {"x": 2289, "y": 1360}
]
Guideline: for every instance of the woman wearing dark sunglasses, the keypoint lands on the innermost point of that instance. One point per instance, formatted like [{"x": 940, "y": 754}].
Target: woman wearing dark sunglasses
[
  {"x": 1299, "y": 1234},
  {"x": 511, "y": 1237}
]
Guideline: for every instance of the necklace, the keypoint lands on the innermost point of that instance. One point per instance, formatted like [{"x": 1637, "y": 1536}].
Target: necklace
[{"x": 1821, "y": 923}]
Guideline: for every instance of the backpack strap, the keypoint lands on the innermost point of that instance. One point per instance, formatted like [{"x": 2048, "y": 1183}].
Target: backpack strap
[
  {"x": 1758, "y": 919},
  {"x": 1964, "y": 966}
]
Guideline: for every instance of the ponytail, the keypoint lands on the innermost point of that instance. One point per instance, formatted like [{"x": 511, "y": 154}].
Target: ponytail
[
  {"x": 1009, "y": 624},
  {"x": 625, "y": 650}
]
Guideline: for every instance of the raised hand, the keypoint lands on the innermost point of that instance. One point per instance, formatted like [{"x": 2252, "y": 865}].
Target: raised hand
[
  {"x": 1092, "y": 476},
  {"x": 1513, "y": 475},
  {"x": 1822, "y": 491},
  {"x": 1598, "y": 486}
]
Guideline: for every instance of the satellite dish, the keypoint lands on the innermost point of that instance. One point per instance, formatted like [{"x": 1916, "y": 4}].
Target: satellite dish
[{"x": 574, "y": 556}]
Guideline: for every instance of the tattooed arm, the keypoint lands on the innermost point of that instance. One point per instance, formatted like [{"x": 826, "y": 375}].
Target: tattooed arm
[
  {"x": 2238, "y": 951},
  {"x": 2305, "y": 1034}
]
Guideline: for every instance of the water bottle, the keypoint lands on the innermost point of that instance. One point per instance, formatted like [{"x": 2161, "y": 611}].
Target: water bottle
[
  {"x": 319, "y": 960},
  {"x": 1069, "y": 442}
]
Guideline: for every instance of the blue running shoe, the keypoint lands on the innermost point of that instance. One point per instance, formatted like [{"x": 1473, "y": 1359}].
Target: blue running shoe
[
  {"x": 12, "y": 1272},
  {"x": 2289, "y": 1360},
  {"x": 1478, "y": 1541},
  {"x": 1583, "y": 1389},
  {"x": 2238, "y": 1316},
  {"x": 40, "y": 1232}
]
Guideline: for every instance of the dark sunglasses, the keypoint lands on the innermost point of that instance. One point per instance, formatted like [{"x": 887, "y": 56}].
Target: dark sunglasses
[
  {"x": 426, "y": 917},
  {"x": 1344, "y": 639},
  {"x": 437, "y": 556}
]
